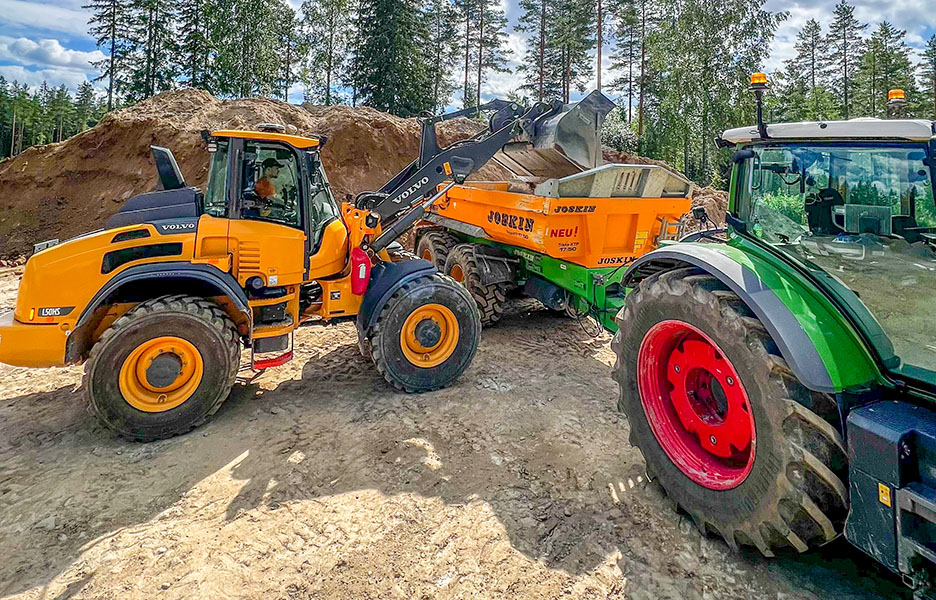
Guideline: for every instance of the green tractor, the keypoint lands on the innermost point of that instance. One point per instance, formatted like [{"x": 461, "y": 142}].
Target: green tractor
[{"x": 781, "y": 382}]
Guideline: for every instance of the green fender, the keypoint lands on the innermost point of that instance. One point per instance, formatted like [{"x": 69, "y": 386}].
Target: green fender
[{"x": 822, "y": 347}]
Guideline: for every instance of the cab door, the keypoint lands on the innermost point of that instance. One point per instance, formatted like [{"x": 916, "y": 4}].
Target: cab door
[{"x": 266, "y": 236}]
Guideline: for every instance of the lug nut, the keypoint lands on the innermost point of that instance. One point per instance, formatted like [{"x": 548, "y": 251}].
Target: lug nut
[
  {"x": 713, "y": 440},
  {"x": 676, "y": 368},
  {"x": 729, "y": 380}
]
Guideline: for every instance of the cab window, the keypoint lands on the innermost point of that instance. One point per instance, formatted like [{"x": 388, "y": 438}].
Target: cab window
[
  {"x": 270, "y": 184},
  {"x": 215, "y": 199},
  {"x": 865, "y": 214}
]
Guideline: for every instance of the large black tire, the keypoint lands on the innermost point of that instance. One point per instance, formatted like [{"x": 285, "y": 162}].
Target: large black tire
[
  {"x": 435, "y": 246},
  {"x": 201, "y": 323},
  {"x": 795, "y": 493},
  {"x": 386, "y": 340},
  {"x": 462, "y": 266}
]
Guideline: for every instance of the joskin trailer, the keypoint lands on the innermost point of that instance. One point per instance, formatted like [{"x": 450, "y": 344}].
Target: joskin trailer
[{"x": 563, "y": 229}]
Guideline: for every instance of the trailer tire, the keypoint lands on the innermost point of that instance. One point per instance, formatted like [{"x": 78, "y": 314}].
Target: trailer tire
[
  {"x": 187, "y": 344},
  {"x": 748, "y": 452},
  {"x": 435, "y": 246},
  {"x": 462, "y": 266},
  {"x": 426, "y": 334}
]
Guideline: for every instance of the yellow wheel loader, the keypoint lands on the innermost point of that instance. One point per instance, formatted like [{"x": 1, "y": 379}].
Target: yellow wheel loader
[{"x": 160, "y": 303}]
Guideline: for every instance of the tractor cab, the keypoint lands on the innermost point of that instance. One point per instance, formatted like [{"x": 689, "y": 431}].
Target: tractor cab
[{"x": 853, "y": 202}]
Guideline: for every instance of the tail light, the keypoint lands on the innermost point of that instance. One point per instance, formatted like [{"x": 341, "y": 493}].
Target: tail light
[{"x": 360, "y": 271}]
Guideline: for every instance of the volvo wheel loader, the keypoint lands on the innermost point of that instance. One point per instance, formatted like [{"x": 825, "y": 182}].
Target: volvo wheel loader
[
  {"x": 781, "y": 384},
  {"x": 160, "y": 303}
]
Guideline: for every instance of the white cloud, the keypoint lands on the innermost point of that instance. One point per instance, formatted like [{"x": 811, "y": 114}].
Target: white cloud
[
  {"x": 55, "y": 76},
  {"x": 22, "y": 15},
  {"x": 46, "y": 52},
  {"x": 914, "y": 16}
]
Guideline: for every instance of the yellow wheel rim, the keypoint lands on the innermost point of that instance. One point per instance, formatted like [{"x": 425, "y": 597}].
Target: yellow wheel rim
[
  {"x": 429, "y": 335},
  {"x": 457, "y": 274},
  {"x": 427, "y": 254},
  {"x": 160, "y": 374}
]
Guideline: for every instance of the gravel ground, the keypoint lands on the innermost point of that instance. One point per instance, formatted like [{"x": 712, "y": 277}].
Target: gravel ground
[{"x": 319, "y": 481}]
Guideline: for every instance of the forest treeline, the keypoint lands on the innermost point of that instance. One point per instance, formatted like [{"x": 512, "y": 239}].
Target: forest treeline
[{"x": 678, "y": 68}]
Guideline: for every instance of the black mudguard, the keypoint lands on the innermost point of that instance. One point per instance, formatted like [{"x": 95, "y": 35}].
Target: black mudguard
[{"x": 386, "y": 278}]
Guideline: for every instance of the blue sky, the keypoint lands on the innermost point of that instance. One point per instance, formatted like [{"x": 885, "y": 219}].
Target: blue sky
[{"x": 48, "y": 40}]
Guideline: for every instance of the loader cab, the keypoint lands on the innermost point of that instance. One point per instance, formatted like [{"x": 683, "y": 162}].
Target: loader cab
[
  {"x": 273, "y": 190},
  {"x": 853, "y": 203}
]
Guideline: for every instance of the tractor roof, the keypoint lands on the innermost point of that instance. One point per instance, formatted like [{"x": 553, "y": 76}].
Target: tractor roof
[
  {"x": 296, "y": 141},
  {"x": 855, "y": 129}
]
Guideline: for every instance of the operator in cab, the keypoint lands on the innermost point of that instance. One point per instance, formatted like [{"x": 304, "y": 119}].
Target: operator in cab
[{"x": 265, "y": 188}]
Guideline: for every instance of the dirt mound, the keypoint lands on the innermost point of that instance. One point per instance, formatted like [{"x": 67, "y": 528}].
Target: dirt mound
[{"x": 64, "y": 189}]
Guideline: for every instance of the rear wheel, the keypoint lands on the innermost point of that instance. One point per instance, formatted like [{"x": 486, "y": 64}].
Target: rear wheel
[
  {"x": 426, "y": 334},
  {"x": 462, "y": 266},
  {"x": 435, "y": 246},
  {"x": 724, "y": 425},
  {"x": 162, "y": 368}
]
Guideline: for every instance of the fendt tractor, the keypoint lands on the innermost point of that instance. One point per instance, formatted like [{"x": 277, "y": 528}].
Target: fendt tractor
[
  {"x": 159, "y": 304},
  {"x": 782, "y": 384}
]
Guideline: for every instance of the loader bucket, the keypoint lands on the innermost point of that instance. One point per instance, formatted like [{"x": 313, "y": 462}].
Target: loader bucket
[{"x": 563, "y": 144}]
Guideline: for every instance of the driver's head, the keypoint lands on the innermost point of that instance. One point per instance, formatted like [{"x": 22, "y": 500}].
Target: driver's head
[{"x": 271, "y": 168}]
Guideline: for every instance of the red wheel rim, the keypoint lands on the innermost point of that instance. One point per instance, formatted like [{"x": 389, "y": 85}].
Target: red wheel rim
[{"x": 696, "y": 405}]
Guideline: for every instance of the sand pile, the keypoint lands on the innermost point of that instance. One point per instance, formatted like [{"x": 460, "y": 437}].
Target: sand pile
[{"x": 64, "y": 189}]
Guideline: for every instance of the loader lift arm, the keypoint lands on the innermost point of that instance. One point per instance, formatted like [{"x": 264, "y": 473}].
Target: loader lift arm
[{"x": 401, "y": 198}]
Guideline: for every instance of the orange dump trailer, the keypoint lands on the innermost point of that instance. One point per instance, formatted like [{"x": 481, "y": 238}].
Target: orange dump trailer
[{"x": 562, "y": 240}]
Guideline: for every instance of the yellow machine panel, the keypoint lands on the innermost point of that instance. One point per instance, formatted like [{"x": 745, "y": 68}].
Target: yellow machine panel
[{"x": 271, "y": 251}]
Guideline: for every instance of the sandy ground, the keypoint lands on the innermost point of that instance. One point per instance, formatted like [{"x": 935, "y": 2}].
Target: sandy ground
[{"x": 318, "y": 481}]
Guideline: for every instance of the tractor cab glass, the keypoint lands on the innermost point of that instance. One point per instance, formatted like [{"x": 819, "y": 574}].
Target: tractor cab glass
[
  {"x": 864, "y": 214},
  {"x": 269, "y": 184}
]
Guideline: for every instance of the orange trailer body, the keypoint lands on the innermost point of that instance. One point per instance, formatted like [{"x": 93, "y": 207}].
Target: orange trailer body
[{"x": 589, "y": 231}]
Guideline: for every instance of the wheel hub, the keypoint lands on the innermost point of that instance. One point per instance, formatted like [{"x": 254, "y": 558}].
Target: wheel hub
[
  {"x": 161, "y": 373},
  {"x": 428, "y": 333},
  {"x": 696, "y": 405},
  {"x": 164, "y": 369}
]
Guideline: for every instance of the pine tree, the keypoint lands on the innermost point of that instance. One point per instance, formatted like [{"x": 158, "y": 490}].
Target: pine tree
[
  {"x": 110, "y": 26},
  {"x": 574, "y": 39},
  {"x": 624, "y": 61},
  {"x": 85, "y": 107},
  {"x": 194, "y": 48},
  {"x": 927, "y": 68},
  {"x": 810, "y": 66},
  {"x": 441, "y": 49},
  {"x": 845, "y": 44},
  {"x": 291, "y": 48},
  {"x": 391, "y": 70},
  {"x": 152, "y": 48},
  {"x": 541, "y": 75},
  {"x": 467, "y": 11},
  {"x": 326, "y": 27},
  {"x": 811, "y": 49},
  {"x": 491, "y": 42},
  {"x": 885, "y": 65}
]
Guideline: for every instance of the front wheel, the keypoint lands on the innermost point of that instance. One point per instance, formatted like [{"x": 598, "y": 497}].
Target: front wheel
[
  {"x": 426, "y": 334},
  {"x": 723, "y": 424},
  {"x": 162, "y": 368}
]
